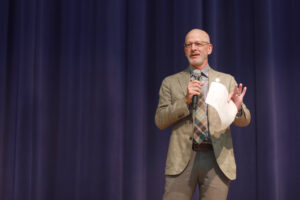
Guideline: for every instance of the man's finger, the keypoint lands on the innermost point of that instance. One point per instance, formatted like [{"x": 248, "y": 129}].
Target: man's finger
[
  {"x": 240, "y": 88},
  {"x": 244, "y": 91},
  {"x": 235, "y": 89}
]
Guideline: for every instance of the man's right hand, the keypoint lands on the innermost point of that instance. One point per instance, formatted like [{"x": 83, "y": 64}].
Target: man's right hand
[{"x": 193, "y": 88}]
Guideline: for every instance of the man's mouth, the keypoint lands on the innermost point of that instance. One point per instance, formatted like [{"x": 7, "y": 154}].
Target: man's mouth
[{"x": 194, "y": 55}]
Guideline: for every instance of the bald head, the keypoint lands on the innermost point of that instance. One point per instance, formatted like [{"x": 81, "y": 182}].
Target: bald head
[
  {"x": 197, "y": 48},
  {"x": 197, "y": 33}
]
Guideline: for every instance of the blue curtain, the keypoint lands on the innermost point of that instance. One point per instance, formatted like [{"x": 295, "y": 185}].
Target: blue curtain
[{"x": 79, "y": 83}]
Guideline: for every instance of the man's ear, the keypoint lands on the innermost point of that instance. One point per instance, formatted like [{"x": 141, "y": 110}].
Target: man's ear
[{"x": 210, "y": 48}]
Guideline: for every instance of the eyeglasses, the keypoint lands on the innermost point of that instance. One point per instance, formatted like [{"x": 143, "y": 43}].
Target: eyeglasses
[{"x": 197, "y": 44}]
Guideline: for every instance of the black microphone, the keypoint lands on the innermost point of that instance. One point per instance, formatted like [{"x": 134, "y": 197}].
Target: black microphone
[{"x": 196, "y": 75}]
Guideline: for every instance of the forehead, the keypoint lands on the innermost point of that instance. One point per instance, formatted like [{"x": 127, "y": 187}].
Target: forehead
[{"x": 197, "y": 35}]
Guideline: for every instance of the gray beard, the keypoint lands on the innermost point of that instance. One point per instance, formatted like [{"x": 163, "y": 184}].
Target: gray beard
[{"x": 197, "y": 62}]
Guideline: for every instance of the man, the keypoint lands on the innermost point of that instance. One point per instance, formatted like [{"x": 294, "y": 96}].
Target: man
[{"x": 209, "y": 161}]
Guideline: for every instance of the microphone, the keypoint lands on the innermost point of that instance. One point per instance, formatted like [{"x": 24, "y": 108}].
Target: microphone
[{"x": 196, "y": 75}]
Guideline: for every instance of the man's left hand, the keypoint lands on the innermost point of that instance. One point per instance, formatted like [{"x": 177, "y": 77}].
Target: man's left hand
[{"x": 237, "y": 95}]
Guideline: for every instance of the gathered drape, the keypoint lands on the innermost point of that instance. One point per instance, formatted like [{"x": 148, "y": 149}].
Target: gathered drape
[{"x": 79, "y": 85}]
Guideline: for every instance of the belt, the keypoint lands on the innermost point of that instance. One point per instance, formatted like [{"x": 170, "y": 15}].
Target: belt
[{"x": 202, "y": 147}]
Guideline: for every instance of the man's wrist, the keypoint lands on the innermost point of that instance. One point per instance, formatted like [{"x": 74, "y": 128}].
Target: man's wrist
[{"x": 240, "y": 112}]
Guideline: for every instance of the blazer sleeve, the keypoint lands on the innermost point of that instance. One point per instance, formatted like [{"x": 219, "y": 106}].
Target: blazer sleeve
[{"x": 169, "y": 109}]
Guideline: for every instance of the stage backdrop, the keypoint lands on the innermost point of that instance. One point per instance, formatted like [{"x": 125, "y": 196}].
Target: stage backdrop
[{"x": 79, "y": 82}]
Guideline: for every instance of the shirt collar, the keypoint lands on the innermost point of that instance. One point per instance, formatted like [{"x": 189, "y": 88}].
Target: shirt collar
[{"x": 204, "y": 71}]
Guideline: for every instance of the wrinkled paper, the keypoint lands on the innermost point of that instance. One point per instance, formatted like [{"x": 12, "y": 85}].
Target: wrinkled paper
[{"x": 217, "y": 97}]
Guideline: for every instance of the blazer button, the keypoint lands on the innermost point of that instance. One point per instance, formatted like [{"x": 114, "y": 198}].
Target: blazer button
[{"x": 190, "y": 138}]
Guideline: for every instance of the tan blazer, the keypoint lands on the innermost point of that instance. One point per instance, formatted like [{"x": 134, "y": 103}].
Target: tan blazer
[{"x": 172, "y": 110}]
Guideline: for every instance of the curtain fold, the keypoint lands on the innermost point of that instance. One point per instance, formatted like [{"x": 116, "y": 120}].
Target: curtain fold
[{"x": 79, "y": 84}]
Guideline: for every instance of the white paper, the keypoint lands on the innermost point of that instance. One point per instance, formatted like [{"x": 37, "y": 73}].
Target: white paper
[{"x": 217, "y": 97}]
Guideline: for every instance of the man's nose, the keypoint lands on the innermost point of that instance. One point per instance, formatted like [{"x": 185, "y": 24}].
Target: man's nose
[{"x": 194, "y": 47}]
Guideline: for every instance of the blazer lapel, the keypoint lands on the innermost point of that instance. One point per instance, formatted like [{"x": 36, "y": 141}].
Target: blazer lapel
[
  {"x": 184, "y": 80},
  {"x": 212, "y": 75}
]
